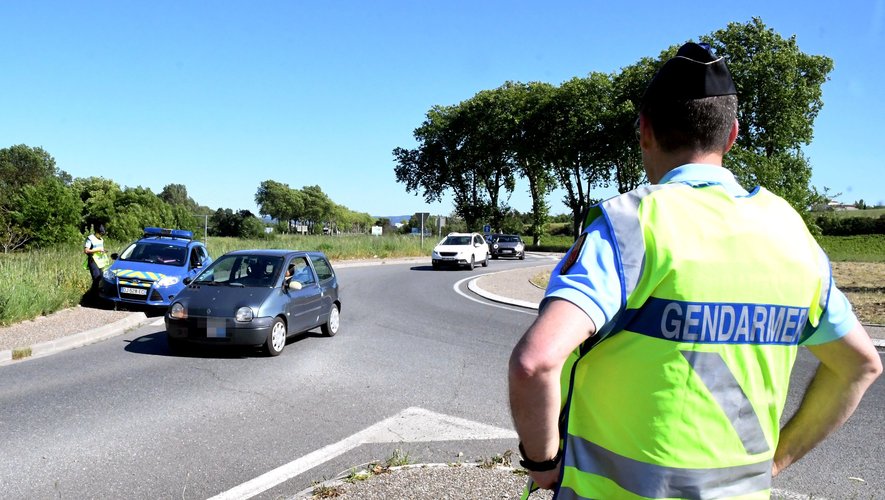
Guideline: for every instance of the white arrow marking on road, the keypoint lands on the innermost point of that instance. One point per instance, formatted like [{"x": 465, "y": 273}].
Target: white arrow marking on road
[{"x": 411, "y": 425}]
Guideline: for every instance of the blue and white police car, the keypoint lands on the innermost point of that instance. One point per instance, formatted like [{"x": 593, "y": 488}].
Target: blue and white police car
[{"x": 152, "y": 270}]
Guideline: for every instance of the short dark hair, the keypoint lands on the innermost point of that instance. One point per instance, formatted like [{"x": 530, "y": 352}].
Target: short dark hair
[{"x": 692, "y": 124}]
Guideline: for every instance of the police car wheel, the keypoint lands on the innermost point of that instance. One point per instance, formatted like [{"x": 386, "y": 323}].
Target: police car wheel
[
  {"x": 330, "y": 328},
  {"x": 276, "y": 339}
]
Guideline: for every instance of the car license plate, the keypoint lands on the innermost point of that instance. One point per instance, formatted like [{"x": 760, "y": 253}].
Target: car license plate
[
  {"x": 448, "y": 258},
  {"x": 507, "y": 250},
  {"x": 133, "y": 291},
  {"x": 216, "y": 328}
]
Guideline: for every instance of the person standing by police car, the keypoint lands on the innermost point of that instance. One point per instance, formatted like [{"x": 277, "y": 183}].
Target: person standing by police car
[
  {"x": 659, "y": 363},
  {"x": 96, "y": 259}
]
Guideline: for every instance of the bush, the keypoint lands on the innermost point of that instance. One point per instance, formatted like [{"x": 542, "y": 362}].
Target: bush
[{"x": 850, "y": 226}]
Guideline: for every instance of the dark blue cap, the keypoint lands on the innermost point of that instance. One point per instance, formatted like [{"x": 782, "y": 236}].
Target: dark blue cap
[{"x": 694, "y": 73}]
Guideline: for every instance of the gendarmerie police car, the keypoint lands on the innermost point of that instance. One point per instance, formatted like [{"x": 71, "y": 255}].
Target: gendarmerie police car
[{"x": 152, "y": 270}]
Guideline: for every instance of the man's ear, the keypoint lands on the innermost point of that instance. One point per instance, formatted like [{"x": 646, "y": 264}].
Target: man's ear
[{"x": 732, "y": 136}]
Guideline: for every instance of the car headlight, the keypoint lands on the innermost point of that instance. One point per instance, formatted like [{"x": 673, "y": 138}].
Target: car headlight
[
  {"x": 495, "y": 246},
  {"x": 244, "y": 314},
  {"x": 178, "y": 311},
  {"x": 167, "y": 281},
  {"x": 109, "y": 276}
]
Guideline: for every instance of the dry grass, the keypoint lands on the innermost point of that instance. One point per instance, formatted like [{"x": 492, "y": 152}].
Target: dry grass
[
  {"x": 862, "y": 282},
  {"x": 864, "y": 285}
]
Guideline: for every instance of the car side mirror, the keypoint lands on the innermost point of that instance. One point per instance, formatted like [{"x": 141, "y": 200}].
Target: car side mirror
[
  {"x": 294, "y": 285},
  {"x": 115, "y": 256}
]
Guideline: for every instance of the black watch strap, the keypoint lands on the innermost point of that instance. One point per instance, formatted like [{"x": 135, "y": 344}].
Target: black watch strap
[{"x": 533, "y": 466}]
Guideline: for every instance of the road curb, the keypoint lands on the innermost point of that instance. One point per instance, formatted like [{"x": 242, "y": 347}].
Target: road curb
[
  {"x": 474, "y": 287},
  {"x": 75, "y": 340}
]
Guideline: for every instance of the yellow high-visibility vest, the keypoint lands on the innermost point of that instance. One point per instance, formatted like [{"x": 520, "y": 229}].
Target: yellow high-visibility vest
[
  {"x": 684, "y": 398},
  {"x": 101, "y": 258}
]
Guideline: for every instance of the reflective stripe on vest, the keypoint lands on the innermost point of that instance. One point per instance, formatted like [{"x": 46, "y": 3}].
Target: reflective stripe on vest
[{"x": 683, "y": 399}]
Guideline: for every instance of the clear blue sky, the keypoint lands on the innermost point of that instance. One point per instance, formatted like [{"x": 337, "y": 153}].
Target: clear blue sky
[{"x": 220, "y": 96}]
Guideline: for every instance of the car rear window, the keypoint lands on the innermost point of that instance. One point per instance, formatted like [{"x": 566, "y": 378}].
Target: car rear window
[{"x": 322, "y": 267}]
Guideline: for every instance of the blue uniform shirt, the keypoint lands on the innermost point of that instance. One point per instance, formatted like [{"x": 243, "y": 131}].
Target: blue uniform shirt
[{"x": 592, "y": 282}]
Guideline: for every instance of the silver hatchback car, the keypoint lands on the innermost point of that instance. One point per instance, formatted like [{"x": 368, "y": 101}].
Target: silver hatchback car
[{"x": 256, "y": 298}]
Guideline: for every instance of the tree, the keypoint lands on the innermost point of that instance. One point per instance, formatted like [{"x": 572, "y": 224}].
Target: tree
[
  {"x": 12, "y": 234},
  {"x": 488, "y": 119},
  {"x": 318, "y": 208},
  {"x": 52, "y": 212},
  {"x": 176, "y": 194},
  {"x": 240, "y": 224},
  {"x": 99, "y": 197},
  {"x": 23, "y": 165},
  {"x": 578, "y": 144},
  {"x": 779, "y": 89},
  {"x": 441, "y": 163},
  {"x": 279, "y": 201},
  {"x": 137, "y": 208},
  {"x": 532, "y": 131}
]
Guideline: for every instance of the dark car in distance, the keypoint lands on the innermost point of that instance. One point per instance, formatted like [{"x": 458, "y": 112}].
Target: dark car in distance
[
  {"x": 507, "y": 245},
  {"x": 256, "y": 298}
]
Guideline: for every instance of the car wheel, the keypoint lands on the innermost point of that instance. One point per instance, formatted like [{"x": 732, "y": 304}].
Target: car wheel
[
  {"x": 495, "y": 256},
  {"x": 331, "y": 327},
  {"x": 435, "y": 266},
  {"x": 472, "y": 264},
  {"x": 522, "y": 256},
  {"x": 276, "y": 339},
  {"x": 485, "y": 262}
]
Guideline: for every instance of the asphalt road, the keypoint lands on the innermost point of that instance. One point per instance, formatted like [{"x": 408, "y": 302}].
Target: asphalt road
[{"x": 124, "y": 419}]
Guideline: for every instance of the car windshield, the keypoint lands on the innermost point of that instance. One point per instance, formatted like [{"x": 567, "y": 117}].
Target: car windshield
[
  {"x": 242, "y": 271},
  {"x": 456, "y": 240},
  {"x": 508, "y": 239},
  {"x": 155, "y": 253}
]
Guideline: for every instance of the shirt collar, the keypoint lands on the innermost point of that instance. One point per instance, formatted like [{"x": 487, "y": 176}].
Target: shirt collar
[{"x": 700, "y": 174}]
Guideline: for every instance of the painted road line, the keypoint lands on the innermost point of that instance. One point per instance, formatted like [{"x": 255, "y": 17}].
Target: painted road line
[
  {"x": 488, "y": 302},
  {"x": 412, "y": 425}
]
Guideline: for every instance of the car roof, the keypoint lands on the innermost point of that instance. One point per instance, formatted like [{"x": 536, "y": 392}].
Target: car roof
[
  {"x": 176, "y": 242},
  {"x": 461, "y": 234},
  {"x": 276, "y": 252}
]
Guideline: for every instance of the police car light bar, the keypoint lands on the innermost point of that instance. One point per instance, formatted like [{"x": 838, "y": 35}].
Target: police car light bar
[{"x": 169, "y": 233}]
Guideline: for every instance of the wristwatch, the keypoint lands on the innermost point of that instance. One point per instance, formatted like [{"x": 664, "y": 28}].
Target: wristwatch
[{"x": 531, "y": 465}]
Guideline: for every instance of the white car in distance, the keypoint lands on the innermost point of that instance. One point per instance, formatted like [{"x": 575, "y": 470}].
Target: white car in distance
[{"x": 461, "y": 250}]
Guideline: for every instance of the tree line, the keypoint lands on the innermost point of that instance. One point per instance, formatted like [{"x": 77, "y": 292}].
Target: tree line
[
  {"x": 42, "y": 205},
  {"x": 580, "y": 136}
]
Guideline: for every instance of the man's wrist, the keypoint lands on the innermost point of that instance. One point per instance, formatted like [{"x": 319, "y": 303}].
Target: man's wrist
[{"x": 542, "y": 466}]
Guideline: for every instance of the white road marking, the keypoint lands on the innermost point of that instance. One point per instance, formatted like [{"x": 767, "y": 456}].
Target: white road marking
[
  {"x": 457, "y": 288},
  {"x": 158, "y": 322},
  {"x": 411, "y": 425}
]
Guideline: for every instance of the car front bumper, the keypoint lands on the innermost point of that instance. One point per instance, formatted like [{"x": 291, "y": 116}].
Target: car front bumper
[
  {"x": 219, "y": 331},
  {"x": 507, "y": 252},
  {"x": 150, "y": 294},
  {"x": 450, "y": 262}
]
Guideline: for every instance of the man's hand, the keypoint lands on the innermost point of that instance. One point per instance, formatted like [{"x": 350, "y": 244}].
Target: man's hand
[
  {"x": 847, "y": 368},
  {"x": 547, "y": 479}
]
